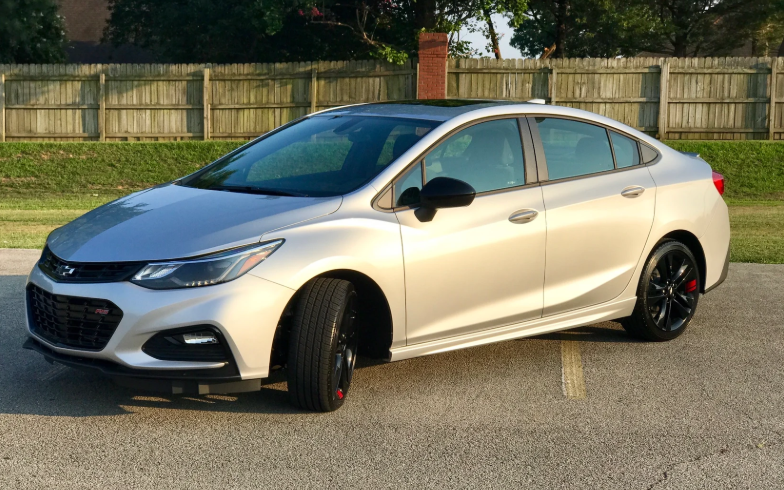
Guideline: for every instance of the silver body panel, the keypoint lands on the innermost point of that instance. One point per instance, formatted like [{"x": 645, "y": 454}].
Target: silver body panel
[
  {"x": 172, "y": 222},
  {"x": 471, "y": 276}
]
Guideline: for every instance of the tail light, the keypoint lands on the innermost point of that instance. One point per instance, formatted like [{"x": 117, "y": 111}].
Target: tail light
[{"x": 718, "y": 181}]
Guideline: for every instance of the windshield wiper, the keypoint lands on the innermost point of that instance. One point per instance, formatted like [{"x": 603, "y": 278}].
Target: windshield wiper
[{"x": 247, "y": 189}]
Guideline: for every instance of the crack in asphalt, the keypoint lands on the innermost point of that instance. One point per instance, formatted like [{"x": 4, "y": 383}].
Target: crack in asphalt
[{"x": 665, "y": 475}]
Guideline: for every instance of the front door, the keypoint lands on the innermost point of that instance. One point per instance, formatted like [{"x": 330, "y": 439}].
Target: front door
[
  {"x": 480, "y": 266},
  {"x": 600, "y": 205}
]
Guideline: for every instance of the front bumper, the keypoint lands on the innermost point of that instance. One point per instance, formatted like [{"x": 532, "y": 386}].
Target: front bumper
[
  {"x": 187, "y": 382},
  {"x": 246, "y": 311}
]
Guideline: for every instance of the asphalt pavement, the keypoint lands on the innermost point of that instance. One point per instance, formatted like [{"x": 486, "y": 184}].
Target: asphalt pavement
[{"x": 703, "y": 411}]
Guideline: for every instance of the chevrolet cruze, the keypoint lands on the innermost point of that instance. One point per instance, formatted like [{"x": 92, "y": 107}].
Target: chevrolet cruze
[{"x": 391, "y": 230}]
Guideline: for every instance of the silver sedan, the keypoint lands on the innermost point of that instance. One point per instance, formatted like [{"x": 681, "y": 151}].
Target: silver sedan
[{"x": 391, "y": 230}]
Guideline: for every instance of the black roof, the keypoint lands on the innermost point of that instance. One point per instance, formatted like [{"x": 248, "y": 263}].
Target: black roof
[{"x": 434, "y": 109}]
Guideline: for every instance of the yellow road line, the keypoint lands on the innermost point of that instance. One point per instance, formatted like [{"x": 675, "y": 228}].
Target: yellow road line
[{"x": 572, "y": 379}]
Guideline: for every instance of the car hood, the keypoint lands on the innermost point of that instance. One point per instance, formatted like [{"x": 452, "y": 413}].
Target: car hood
[{"x": 172, "y": 221}]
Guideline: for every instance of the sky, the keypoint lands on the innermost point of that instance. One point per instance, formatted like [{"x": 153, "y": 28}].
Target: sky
[{"x": 502, "y": 27}]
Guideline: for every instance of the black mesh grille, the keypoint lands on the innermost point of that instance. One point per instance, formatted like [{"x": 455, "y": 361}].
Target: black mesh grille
[
  {"x": 71, "y": 321},
  {"x": 86, "y": 272}
]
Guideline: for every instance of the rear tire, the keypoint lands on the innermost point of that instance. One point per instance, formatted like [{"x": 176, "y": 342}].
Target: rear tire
[
  {"x": 323, "y": 345},
  {"x": 667, "y": 294}
]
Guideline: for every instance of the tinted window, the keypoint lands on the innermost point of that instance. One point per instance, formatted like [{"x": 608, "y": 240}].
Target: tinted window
[
  {"x": 573, "y": 148},
  {"x": 399, "y": 140},
  {"x": 319, "y": 156},
  {"x": 489, "y": 156},
  {"x": 408, "y": 186},
  {"x": 626, "y": 152}
]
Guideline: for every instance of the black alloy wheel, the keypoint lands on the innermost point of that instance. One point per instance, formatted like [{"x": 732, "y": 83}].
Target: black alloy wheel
[
  {"x": 667, "y": 295},
  {"x": 346, "y": 352},
  {"x": 672, "y": 290}
]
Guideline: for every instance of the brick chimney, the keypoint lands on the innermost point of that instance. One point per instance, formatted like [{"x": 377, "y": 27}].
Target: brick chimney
[{"x": 433, "y": 51}]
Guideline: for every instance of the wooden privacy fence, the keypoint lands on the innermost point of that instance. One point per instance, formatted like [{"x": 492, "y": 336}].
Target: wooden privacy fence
[
  {"x": 674, "y": 98},
  {"x": 175, "y": 102}
]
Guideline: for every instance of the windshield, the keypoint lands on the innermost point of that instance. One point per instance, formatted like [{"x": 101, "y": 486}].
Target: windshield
[{"x": 318, "y": 156}]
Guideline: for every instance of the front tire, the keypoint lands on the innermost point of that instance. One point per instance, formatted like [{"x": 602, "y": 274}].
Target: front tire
[
  {"x": 667, "y": 295},
  {"x": 323, "y": 345}
]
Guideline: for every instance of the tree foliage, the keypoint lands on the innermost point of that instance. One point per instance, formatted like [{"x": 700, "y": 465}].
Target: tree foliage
[
  {"x": 31, "y": 31},
  {"x": 581, "y": 28},
  {"x": 607, "y": 28},
  {"x": 281, "y": 30},
  {"x": 186, "y": 31},
  {"x": 699, "y": 27}
]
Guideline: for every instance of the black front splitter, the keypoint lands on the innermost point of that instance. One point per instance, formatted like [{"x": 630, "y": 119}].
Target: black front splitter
[{"x": 189, "y": 382}]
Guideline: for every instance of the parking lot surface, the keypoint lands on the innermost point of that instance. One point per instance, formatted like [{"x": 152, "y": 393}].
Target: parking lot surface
[{"x": 703, "y": 411}]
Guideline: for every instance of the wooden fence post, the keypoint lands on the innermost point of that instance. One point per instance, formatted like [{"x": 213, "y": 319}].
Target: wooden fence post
[
  {"x": 553, "y": 84},
  {"x": 663, "y": 98},
  {"x": 2, "y": 107},
  {"x": 416, "y": 82},
  {"x": 206, "y": 103},
  {"x": 774, "y": 62},
  {"x": 313, "y": 89},
  {"x": 102, "y": 108}
]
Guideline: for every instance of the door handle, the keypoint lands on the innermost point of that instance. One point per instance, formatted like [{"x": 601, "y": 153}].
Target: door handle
[
  {"x": 633, "y": 191},
  {"x": 523, "y": 216}
]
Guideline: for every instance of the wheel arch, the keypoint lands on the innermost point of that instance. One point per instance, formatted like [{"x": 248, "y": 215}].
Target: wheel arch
[
  {"x": 374, "y": 311},
  {"x": 694, "y": 245}
]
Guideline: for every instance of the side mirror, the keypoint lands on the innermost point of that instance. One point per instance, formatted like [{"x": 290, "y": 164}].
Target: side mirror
[{"x": 443, "y": 192}]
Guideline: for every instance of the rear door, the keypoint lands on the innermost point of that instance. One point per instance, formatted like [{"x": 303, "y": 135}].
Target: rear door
[{"x": 600, "y": 205}]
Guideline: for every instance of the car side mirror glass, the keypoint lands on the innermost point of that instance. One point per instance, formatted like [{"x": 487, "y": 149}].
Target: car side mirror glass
[{"x": 443, "y": 192}]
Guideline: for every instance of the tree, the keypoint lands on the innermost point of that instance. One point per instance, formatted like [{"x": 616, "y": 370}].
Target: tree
[
  {"x": 580, "y": 28},
  {"x": 192, "y": 31},
  {"x": 280, "y": 30},
  {"x": 696, "y": 27},
  {"x": 483, "y": 19},
  {"x": 610, "y": 28},
  {"x": 761, "y": 22},
  {"x": 31, "y": 31}
]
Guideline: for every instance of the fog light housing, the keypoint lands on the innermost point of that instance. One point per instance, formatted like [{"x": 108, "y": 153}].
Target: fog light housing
[
  {"x": 200, "y": 343},
  {"x": 199, "y": 338}
]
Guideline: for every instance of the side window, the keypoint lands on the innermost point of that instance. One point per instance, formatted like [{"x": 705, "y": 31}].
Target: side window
[
  {"x": 627, "y": 153},
  {"x": 574, "y": 148},
  {"x": 488, "y": 156},
  {"x": 648, "y": 154},
  {"x": 408, "y": 186}
]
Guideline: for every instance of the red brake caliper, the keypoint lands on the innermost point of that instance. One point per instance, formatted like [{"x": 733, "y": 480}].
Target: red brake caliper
[
  {"x": 340, "y": 394},
  {"x": 691, "y": 286}
]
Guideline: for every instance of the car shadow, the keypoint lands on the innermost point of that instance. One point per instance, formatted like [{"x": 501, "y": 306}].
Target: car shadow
[{"x": 602, "y": 332}]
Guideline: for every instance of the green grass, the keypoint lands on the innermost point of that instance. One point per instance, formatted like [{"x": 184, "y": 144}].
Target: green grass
[
  {"x": 84, "y": 170},
  {"x": 757, "y": 231},
  {"x": 45, "y": 185},
  {"x": 753, "y": 170}
]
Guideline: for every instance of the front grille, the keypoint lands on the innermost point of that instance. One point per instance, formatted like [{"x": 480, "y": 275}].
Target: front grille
[
  {"x": 72, "y": 321},
  {"x": 85, "y": 272}
]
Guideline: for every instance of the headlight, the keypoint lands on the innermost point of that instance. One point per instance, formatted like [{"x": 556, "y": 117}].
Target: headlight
[{"x": 206, "y": 271}]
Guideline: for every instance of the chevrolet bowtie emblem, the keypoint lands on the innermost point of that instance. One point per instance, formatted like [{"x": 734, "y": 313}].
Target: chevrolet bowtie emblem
[{"x": 64, "y": 270}]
